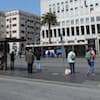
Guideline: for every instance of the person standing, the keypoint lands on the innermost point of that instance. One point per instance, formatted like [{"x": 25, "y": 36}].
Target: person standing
[
  {"x": 91, "y": 61},
  {"x": 38, "y": 60},
  {"x": 12, "y": 59},
  {"x": 71, "y": 60},
  {"x": 87, "y": 56},
  {"x": 30, "y": 60},
  {"x": 20, "y": 54},
  {"x": 1, "y": 60}
]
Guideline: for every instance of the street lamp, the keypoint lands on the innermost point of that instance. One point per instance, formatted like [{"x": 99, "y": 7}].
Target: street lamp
[
  {"x": 62, "y": 48},
  {"x": 62, "y": 45}
]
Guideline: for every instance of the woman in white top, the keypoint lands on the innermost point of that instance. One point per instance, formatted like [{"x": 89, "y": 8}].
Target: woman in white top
[{"x": 71, "y": 60}]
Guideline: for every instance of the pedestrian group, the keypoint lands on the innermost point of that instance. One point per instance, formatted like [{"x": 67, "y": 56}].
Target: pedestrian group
[
  {"x": 32, "y": 57},
  {"x": 90, "y": 57}
]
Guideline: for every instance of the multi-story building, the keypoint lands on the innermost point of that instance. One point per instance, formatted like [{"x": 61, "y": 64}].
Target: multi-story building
[
  {"x": 23, "y": 25},
  {"x": 2, "y": 30},
  {"x": 2, "y": 25},
  {"x": 79, "y": 24}
]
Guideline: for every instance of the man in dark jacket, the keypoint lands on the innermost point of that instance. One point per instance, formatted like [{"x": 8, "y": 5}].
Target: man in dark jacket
[
  {"x": 12, "y": 59},
  {"x": 29, "y": 60}
]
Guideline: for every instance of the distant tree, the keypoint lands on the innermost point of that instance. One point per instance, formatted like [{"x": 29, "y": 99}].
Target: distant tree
[{"x": 49, "y": 19}]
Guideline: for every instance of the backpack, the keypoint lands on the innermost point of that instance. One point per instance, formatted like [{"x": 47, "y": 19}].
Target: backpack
[
  {"x": 73, "y": 57},
  {"x": 87, "y": 55}
]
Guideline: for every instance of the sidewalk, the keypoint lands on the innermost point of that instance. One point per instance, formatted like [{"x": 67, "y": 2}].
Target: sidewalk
[{"x": 53, "y": 70}]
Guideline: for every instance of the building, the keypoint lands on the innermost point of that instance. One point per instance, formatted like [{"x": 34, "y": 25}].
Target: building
[
  {"x": 23, "y": 25},
  {"x": 2, "y": 25},
  {"x": 79, "y": 24}
]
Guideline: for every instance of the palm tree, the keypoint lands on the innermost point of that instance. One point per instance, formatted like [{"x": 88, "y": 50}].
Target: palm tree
[{"x": 49, "y": 19}]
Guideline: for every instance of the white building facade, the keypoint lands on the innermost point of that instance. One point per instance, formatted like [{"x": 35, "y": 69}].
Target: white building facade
[
  {"x": 20, "y": 24},
  {"x": 79, "y": 23}
]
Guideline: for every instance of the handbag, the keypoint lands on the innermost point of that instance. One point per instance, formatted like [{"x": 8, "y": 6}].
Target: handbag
[{"x": 67, "y": 71}]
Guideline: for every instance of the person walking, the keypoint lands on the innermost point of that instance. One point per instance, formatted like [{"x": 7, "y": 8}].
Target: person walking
[
  {"x": 71, "y": 60},
  {"x": 12, "y": 59},
  {"x": 38, "y": 60},
  {"x": 91, "y": 61},
  {"x": 30, "y": 60}
]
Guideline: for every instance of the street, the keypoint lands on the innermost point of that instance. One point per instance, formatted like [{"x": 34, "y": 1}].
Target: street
[
  {"x": 14, "y": 88},
  {"x": 51, "y": 83}
]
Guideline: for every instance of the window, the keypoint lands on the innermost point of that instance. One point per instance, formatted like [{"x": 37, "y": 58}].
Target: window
[
  {"x": 50, "y": 33},
  {"x": 63, "y": 31},
  {"x": 87, "y": 20},
  {"x": 72, "y": 22},
  {"x": 2, "y": 26},
  {"x": 7, "y": 26},
  {"x": 92, "y": 19},
  {"x": 67, "y": 22},
  {"x": 71, "y": 9},
  {"x": 71, "y": 0},
  {"x": 98, "y": 18},
  {"x": 43, "y": 33},
  {"x": 93, "y": 29},
  {"x": 22, "y": 31},
  {"x": 96, "y": 4},
  {"x": 98, "y": 28},
  {"x": 14, "y": 18},
  {"x": 82, "y": 30},
  {"x": 54, "y": 8},
  {"x": 63, "y": 23},
  {"x": 22, "y": 25},
  {"x": 77, "y": 30},
  {"x": 77, "y": 21},
  {"x": 49, "y": 8},
  {"x": 14, "y": 25},
  {"x": 7, "y": 19},
  {"x": 58, "y": 32},
  {"x": 66, "y": 3},
  {"x": 87, "y": 29},
  {"x": 62, "y": 5},
  {"x": 58, "y": 7},
  {"x": 14, "y": 31},
  {"x": 55, "y": 33},
  {"x": 91, "y": 9},
  {"x": 7, "y": 32},
  {"x": 10, "y": 20},
  {"x": 47, "y": 33},
  {"x": 82, "y": 20},
  {"x": 68, "y": 33},
  {"x": 72, "y": 30},
  {"x": 66, "y": 9},
  {"x": 91, "y": 5},
  {"x": 76, "y": 8}
]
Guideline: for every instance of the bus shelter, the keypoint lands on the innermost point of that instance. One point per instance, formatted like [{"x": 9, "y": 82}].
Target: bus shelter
[{"x": 4, "y": 48}]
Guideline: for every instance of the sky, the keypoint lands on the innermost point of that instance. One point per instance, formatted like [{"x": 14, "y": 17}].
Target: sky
[{"x": 32, "y": 6}]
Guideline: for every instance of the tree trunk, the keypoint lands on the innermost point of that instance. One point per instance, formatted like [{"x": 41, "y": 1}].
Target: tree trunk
[{"x": 49, "y": 33}]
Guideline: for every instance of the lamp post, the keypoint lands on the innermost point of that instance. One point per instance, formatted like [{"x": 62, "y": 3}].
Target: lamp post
[
  {"x": 62, "y": 45},
  {"x": 62, "y": 48}
]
